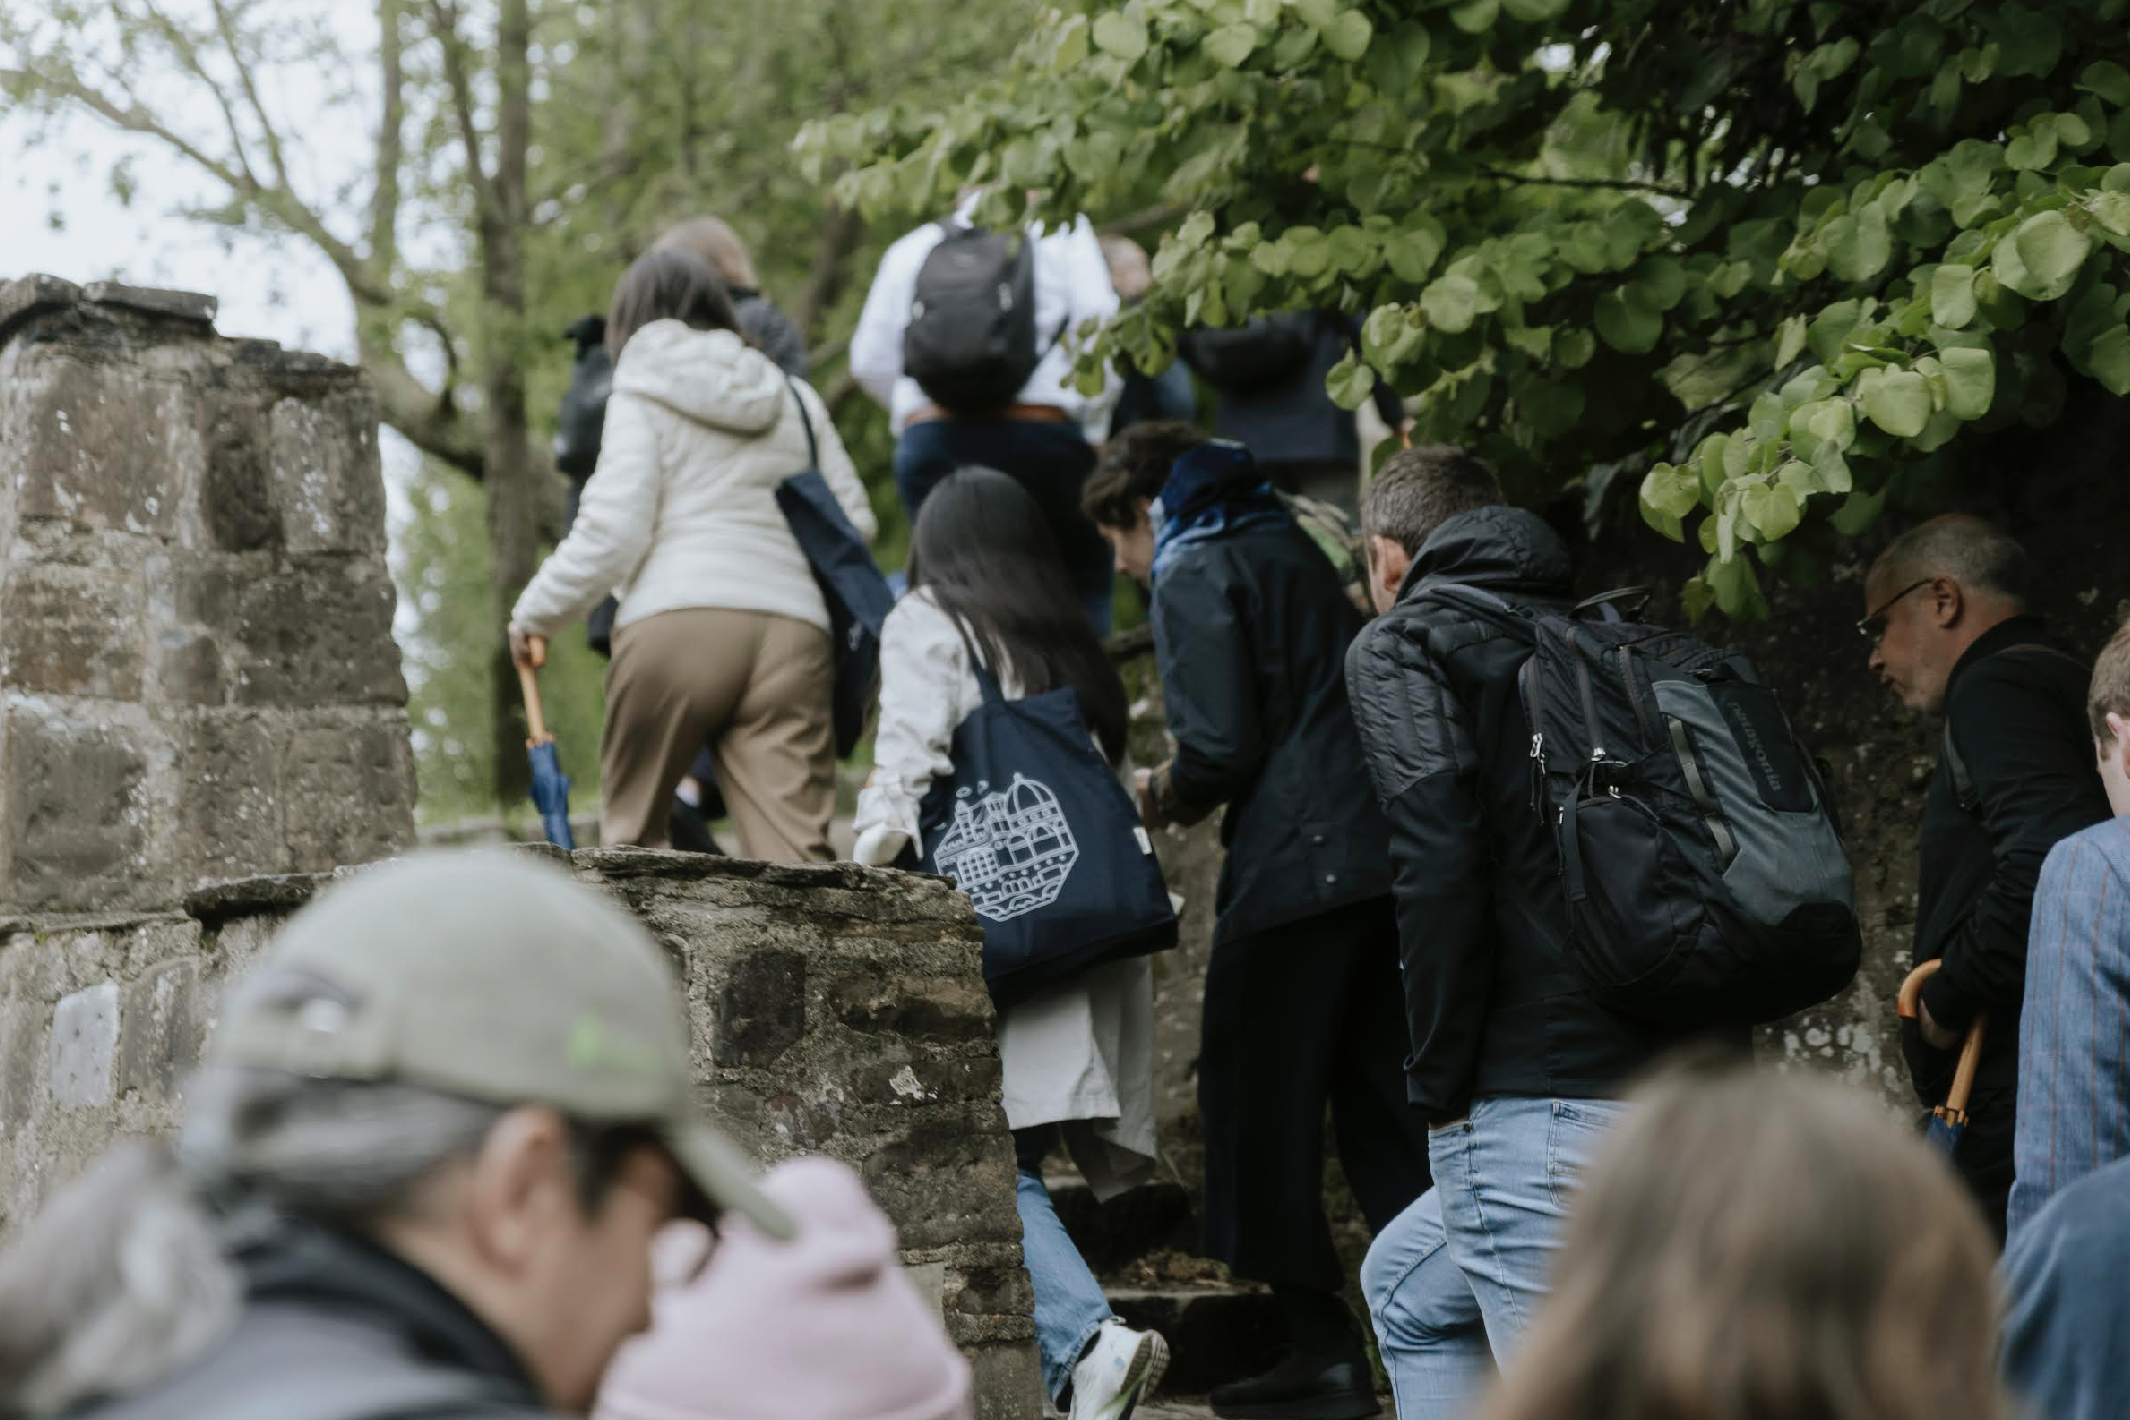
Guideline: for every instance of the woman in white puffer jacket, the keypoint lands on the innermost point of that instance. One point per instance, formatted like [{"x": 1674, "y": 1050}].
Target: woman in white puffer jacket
[{"x": 722, "y": 633}]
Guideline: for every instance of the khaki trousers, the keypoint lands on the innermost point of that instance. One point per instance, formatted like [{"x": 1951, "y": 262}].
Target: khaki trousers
[{"x": 760, "y": 685}]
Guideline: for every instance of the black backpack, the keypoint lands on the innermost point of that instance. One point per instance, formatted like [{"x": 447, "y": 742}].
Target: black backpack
[
  {"x": 1700, "y": 862},
  {"x": 971, "y": 340},
  {"x": 1263, "y": 351},
  {"x": 583, "y": 416}
]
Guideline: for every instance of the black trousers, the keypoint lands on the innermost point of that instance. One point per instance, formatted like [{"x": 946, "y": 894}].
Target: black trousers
[{"x": 1298, "y": 1017}]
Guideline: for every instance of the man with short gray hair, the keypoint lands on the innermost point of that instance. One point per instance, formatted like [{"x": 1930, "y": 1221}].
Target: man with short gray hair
[{"x": 1946, "y": 615}]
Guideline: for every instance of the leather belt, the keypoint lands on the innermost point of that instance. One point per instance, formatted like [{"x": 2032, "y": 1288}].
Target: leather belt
[{"x": 1026, "y": 413}]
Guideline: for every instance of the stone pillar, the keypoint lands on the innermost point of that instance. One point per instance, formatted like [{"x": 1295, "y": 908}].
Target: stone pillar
[{"x": 197, "y": 673}]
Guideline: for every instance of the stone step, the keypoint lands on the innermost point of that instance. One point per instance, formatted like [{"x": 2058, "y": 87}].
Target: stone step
[
  {"x": 1174, "y": 1407},
  {"x": 1154, "y": 1217},
  {"x": 1215, "y": 1335}
]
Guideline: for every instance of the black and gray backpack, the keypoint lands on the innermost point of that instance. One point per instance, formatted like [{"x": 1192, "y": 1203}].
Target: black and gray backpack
[
  {"x": 1700, "y": 862},
  {"x": 971, "y": 342}
]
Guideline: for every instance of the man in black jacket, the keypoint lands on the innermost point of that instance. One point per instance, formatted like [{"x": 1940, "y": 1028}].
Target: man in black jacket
[
  {"x": 1945, "y": 612},
  {"x": 1515, "y": 1065},
  {"x": 1250, "y": 627}
]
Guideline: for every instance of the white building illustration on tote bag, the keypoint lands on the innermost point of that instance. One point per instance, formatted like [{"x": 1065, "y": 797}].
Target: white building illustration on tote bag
[{"x": 1010, "y": 850}]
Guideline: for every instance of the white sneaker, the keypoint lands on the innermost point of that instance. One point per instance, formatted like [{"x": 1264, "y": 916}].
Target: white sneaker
[{"x": 1121, "y": 1367}]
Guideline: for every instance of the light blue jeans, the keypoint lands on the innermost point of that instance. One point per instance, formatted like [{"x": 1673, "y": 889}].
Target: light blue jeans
[
  {"x": 1069, "y": 1305},
  {"x": 1452, "y": 1283}
]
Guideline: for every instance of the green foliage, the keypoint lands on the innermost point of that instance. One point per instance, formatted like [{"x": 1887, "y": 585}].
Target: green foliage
[
  {"x": 440, "y": 564},
  {"x": 1775, "y": 256}
]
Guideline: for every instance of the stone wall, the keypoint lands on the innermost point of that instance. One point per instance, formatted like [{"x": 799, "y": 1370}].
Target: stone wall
[
  {"x": 202, "y": 715},
  {"x": 836, "y": 1010},
  {"x": 197, "y": 672}
]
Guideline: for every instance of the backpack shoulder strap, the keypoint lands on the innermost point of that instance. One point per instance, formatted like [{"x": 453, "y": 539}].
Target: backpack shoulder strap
[
  {"x": 806, "y": 422},
  {"x": 1965, "y": 794}
]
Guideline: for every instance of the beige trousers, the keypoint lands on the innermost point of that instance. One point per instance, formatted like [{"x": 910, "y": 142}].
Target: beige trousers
[{"x": 760, "y": 685}]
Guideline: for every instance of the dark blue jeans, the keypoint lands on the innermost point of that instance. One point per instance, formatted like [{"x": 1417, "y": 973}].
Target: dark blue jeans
[{"x": 1050, "y": 460}]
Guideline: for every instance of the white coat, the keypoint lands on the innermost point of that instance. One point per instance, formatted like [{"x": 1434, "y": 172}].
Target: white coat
[
  {"x": 681, "y": 510},
  {"x": 1081, "y": 1054}
]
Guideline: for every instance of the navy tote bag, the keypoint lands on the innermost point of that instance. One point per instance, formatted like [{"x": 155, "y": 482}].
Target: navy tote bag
[
  {"x": 857, "y": 595},
  {"x": 1037, "y": 831}
]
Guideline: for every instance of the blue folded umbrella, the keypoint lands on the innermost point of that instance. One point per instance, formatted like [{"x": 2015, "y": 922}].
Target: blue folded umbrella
[
  {"x": 550, "y": 786},
  {"x": 550, "y": 791}
]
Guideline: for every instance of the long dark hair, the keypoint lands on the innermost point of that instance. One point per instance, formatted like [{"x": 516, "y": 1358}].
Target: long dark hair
[
  {"x": 664, "y": 284},
  {"x": 985, "y": 552}
]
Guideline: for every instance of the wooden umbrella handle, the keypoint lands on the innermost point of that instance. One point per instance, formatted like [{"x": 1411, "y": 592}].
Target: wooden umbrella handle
[
  {"x": 1908, "y": 1005},
  {"x": 535, "y": 721}
]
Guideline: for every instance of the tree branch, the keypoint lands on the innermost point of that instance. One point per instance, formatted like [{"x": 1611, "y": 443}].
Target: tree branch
[
  {"x": 391, "y": 149},
  {"x": 186, "y": 52},
  {"x": 227, "y": 27},
  {"x": 443, "y": 19},
  {"x": 841, "y": 228},
  {"x": 1611, "y": 184}
]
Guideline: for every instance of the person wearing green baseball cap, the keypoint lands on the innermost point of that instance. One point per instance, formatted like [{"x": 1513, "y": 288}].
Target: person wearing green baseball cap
[{"x": 419, "y": 1174}]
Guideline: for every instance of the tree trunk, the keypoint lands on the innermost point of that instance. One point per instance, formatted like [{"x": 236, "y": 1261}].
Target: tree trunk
[{"x": 513, "y": 495}]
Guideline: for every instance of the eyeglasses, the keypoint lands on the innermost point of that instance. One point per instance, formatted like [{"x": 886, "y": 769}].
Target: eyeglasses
[{"x": 1872, "y": 627}]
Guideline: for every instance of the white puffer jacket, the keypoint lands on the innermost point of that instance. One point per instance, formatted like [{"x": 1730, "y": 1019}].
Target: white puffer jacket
[{"x": 682, "y": 510}]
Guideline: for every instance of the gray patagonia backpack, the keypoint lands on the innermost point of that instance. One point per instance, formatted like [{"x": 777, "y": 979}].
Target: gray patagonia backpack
[{"x": 1701, "y": 865}]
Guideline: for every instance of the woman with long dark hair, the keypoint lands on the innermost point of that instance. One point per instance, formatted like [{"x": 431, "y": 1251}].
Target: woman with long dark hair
[
  {"x": 722, "y": 634},
  {"x": 987, "y": 581}
]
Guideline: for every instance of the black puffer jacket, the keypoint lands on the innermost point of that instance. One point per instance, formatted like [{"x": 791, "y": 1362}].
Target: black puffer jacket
[
  {"x": 1250, "y": 630},
  {"x": 1495, "y": 1005}
]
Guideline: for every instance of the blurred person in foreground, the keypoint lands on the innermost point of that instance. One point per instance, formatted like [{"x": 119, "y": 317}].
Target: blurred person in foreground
[
  {"x": 824, "y": 1327},
  {"x": 419, "y": 1173},
  {"x": 2067, "y": 1323},
  {"x": 1764, "y": 1247}
]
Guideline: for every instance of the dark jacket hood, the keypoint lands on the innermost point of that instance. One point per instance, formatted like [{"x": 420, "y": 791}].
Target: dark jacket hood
[{"x": 1509, "y": 551}]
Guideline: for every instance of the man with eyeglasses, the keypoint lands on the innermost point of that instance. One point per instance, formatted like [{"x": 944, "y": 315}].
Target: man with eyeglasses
[{"x": 1950, "y": 634}]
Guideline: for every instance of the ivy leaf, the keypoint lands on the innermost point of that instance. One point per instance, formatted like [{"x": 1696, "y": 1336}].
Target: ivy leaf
[
  {"x": 1662, "y": 281},
  {"x": 1475, "y": 16},
  {"x": 1970, "y": 381},
  {"x": 1790, "y": 341},
  {"x": 1533, "y": 11},
  {"x": 1319, "y": 13},
  {"x": 2108, "y": 359},
  {"x": 1348, "y": 35},
  {"x": 1451, "y": 302},
  {"x": 1349, "y": 382},
  {"x": 1412, "y": 253},
  {"x": 1772, "y": 508},
  {"x": 1952, "y": 295},
  {"x": 2107, "y": 79},
  {"x": 2051, "y": 250},
  {"x": 1898, "y": 401},
  {"x": 1071, "y": 51},
  {"x": 1737, "y": 590},
  {"x": 1272, "y": 258},
  {"x": 1573, "y": 347},
  {"x": 2112, "y": 211},
  {"x": 1230, "y": 45},
  {"x": 1857, "y": 512},
  {"x": 1122, "y": 33},
  {"x": 2032, "y": 150},
  {"x": 1858, "y": 247},
  {"x": 1670, "y": 490},
  {"x": 1626, "y": 322}
]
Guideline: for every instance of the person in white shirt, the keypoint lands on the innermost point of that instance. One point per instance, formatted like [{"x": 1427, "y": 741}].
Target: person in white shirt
[
  {"x": 1045, "y": 438},
  {"x": 722, "y": 633}
]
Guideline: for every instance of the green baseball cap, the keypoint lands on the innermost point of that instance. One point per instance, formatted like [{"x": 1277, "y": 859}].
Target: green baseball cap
[{"x": 487, "y": 974}]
